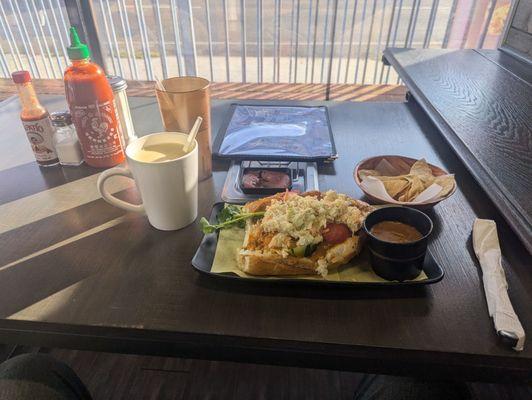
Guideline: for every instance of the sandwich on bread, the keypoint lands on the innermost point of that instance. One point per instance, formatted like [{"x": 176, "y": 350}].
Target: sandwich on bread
[{"x": 302, "y": 234}]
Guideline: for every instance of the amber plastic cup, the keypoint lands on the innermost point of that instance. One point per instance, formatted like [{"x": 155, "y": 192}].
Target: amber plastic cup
[{"x": 183, "y": 100}]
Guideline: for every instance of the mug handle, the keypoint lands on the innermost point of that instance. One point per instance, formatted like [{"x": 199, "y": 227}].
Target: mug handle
[{"x": 112, "y": 199}]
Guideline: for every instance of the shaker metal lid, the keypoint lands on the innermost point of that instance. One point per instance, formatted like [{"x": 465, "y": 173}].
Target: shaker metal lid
[
  {"x": 117, "y": 83},
  {"x": 61, "y": 118}
]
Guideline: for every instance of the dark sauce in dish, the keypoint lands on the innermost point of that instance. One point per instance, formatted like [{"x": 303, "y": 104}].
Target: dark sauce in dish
[
  {"x": 256, "y": 179},
  {"x": 395, "y": 232}
]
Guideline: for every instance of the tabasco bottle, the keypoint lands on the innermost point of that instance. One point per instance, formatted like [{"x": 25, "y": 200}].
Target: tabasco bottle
[
  {"x": 36, "y": 121},
  {"x": 92, "y": 107}
]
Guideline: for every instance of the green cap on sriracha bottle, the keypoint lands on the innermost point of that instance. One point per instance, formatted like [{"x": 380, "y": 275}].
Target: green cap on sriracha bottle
[{"x": 77, "y": 50}]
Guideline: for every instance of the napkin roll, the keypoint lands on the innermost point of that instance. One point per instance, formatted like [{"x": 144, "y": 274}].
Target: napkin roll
[{"x": 488, "y": 251}]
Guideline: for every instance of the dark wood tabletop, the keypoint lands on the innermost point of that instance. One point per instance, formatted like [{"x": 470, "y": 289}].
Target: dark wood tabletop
[
  {"x": 481, "y": 102},
  {"x": 76, "y": 272}
]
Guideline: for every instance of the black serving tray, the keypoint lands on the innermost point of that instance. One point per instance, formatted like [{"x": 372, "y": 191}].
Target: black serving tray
[
  {"x": 276, "y": 151},
  {"x": 204, "y": 257}
]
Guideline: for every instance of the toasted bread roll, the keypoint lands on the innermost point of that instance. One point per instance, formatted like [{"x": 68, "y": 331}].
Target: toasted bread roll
[
  {"x": 272, "y": 263},
  {"x": 257, "y": 263}
]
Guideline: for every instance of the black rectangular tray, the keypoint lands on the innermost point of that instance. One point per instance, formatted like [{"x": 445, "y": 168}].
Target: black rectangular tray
[
  {"x": 204, "y": 257},
  {"x": 268, "y": 157}
]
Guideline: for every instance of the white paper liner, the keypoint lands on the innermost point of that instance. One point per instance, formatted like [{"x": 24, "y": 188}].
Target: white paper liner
[{"x": 376, "y": 188}]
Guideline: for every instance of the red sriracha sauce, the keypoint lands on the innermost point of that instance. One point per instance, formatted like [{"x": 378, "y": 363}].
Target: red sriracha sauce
[{"x": 92, "y": 106}]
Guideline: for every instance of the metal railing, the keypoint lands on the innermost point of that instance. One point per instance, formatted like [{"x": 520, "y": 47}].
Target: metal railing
[
  {"x": 292, "y": 41},
  {"x": 33, "y": 37}
]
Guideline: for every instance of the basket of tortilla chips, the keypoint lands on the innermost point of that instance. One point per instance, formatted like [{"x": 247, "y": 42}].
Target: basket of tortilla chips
[{"x": 402, "y": 180}]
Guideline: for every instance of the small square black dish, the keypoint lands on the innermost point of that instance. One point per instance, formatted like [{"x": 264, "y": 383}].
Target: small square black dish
[
  {"x": 304, "y": 176},
  {"x": 266, "y": 181},
  {"x": 275, "y": 133},
  {"x": 204, "y": 257}
]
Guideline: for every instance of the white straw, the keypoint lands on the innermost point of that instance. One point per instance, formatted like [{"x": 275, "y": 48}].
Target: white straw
[
  {"x": 159, "y": 84},
  {"x": 192, "y": 134},
  {"x": 165, "y": 96}
]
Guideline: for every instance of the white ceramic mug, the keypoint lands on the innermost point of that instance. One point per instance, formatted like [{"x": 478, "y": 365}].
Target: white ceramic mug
[{"x": 169, "y": 189}]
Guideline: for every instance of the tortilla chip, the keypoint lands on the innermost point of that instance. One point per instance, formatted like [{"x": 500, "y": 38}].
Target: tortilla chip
[
  {"x": 364, "y": 173},
  {"x": 421, "y": 169},
  {"x": 394, "y": 184},
  {"x": 447, "y": 182},
  {"x": 415, "y": 187}
]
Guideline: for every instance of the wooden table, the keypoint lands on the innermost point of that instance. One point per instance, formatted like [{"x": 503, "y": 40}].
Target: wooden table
[
  {"x": 76, "y": 272},
  {"x": 481, "y": 102}
]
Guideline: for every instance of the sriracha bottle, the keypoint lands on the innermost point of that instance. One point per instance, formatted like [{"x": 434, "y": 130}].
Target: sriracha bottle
[{"x": 92, "y": 106}]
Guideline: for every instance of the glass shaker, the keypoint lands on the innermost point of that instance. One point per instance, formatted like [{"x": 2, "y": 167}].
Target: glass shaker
[
  {"x": 66, "y": 140},
  {"x": 119, "y": 86}
]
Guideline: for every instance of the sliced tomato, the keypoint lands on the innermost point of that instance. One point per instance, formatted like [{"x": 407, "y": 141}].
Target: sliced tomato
[{"x": 335, "y": 233}]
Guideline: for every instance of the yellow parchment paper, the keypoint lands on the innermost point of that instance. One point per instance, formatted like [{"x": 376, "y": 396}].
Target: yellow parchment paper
[{"x": 230, "y": 240}]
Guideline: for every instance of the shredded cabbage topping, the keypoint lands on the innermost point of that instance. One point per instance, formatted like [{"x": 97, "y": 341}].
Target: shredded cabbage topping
[{"x": 303, "y": 218}]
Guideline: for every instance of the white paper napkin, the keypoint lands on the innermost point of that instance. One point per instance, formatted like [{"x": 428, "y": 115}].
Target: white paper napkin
[{"x": 488, "y": 251}]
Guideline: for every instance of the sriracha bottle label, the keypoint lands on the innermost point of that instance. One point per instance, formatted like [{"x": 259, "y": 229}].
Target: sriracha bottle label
[{"x": 98, "y": 130}]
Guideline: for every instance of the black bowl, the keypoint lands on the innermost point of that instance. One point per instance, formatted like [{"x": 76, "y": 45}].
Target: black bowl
[{"x": 398, "y": 261}]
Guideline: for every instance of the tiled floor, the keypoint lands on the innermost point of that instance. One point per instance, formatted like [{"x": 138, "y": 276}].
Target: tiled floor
[{"x": 120, "y": 377}]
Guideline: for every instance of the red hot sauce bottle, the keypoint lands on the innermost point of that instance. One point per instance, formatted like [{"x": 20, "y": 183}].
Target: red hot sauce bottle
[
  {"x": 36, "y": 121},
  {"x": 92, "y": 106}
]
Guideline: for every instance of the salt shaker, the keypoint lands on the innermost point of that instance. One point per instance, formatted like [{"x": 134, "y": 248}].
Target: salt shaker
[
  {"x": 119, "y": 86},
  {"x": 66, "y": 140}
]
